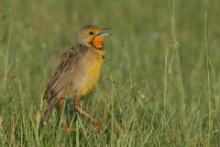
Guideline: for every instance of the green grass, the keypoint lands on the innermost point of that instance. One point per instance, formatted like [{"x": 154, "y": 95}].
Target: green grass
[{"x": 160, "y": 84}]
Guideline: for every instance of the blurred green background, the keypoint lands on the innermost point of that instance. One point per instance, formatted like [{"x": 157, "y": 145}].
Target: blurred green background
[{"x": 160, "y": 84}]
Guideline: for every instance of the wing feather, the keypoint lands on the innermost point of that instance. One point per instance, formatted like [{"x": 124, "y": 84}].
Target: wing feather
[{"x": 60, "y": 78}]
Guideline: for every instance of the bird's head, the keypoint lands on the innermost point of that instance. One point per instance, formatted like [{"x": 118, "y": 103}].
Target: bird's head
[{"x": 92, "y": 36}]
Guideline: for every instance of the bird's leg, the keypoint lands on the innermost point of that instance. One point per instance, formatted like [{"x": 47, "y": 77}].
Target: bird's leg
[
  {"x": 60, "y": 104},
  {"x": 79, "y": 109},
  {"x": 61, "y": 107}
]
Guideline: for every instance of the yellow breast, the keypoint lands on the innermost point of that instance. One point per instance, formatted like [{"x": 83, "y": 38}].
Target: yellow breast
[{"x": 92, "y": 74}]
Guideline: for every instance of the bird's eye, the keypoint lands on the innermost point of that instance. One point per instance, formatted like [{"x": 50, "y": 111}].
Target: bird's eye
[{"x": 91, "y": 33}]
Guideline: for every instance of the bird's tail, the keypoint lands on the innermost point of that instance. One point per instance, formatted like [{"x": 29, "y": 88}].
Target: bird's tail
[{"x": 47, "y": 114}]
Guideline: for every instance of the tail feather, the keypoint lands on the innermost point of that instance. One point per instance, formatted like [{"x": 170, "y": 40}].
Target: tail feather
[{"x": 47, "y": 114}]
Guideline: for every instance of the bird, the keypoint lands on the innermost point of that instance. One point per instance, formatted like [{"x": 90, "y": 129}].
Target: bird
[{"x": 78, "y": 72}]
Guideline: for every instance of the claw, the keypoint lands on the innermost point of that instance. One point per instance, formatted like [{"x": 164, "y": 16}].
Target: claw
[
  {"x": 69, "y": 130},
  {"x": 98, "y": 125}
]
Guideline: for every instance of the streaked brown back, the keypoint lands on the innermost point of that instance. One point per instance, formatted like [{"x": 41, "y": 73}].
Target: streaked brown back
[{"x": 62, "y": 76}]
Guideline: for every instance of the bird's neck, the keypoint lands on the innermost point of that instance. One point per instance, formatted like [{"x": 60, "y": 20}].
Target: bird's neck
[{"x": 100, "y": 53}]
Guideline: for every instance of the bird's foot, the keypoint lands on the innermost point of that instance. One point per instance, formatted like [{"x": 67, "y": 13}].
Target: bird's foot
[
  {"x": 69, "y": 130},
  {"x": 98, "y": 125}
]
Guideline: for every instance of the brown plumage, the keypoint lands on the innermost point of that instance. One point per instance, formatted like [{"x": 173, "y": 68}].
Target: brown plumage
[{"x": 78, "y": 71}]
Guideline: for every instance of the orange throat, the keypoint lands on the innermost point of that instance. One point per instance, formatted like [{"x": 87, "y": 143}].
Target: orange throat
[{"x": 98, "y": 42}]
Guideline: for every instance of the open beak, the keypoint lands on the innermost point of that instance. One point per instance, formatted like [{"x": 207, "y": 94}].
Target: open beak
[
  {"x": 105, "y": 34},
  {"x": 102, "y": 34}
]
